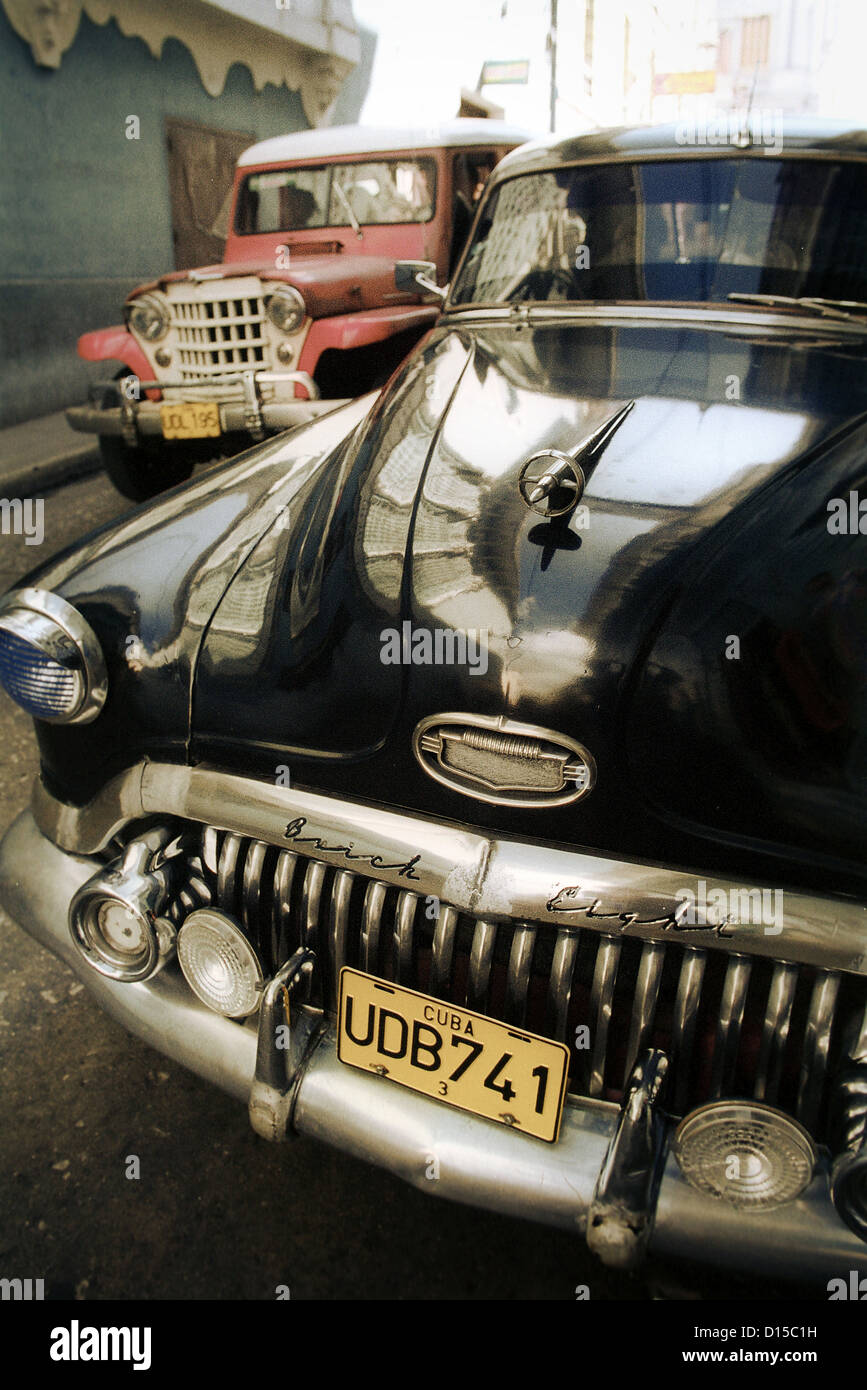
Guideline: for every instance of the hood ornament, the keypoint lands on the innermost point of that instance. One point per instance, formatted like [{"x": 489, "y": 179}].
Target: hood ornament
[{"x": 552, "y": 483}]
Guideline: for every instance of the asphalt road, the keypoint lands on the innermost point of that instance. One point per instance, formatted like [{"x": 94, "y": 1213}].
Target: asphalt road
[{"x": 216, "y": 1213}]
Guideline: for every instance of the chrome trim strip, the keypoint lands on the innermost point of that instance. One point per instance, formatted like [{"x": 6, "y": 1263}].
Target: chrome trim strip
[
  {"x": 483, "y": 1164},
  {"x": 684, "y": 1022},
  {"x": 728, "y": 1029},
  {"x": 495, "y": 878},
  {"x": 601, "y": 1006},
  {"x": 817, "y": 1039},
  {"x": 775, "y": 1032},
  {"x": 714, "y": 317}
]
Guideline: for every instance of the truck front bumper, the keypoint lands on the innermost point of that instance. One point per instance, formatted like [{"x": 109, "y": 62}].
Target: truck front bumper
[
  {"x": 143, "y": 418},
  {"x": 477, "y": 1162}
]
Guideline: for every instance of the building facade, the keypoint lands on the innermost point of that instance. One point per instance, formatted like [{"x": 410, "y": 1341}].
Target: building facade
[{"x": 121, "y": 124}]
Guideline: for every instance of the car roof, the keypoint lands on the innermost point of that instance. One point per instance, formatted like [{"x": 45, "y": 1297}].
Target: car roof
[
  {"x": 687, "y": 138},
  {"x": 359, "y": 139}
]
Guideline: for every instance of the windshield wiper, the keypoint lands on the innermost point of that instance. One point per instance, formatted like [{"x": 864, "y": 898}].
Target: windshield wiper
[
  {"x": 353, "y": 219},
  {"x": 847, "y": 309}
]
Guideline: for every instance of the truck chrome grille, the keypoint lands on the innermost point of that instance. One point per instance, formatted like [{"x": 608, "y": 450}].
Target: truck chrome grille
[
  {"x": 218, "y": 337},
  {"x": 734, "y": 1026}
]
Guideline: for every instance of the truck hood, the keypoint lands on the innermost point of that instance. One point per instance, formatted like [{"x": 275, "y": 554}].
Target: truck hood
[{"x": 332, "y": 282}]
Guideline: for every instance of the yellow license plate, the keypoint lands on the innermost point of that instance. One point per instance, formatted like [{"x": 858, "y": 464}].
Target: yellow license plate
[
  {"x": 452, "y": 1054},
  {"x": 190, "y": 419}
]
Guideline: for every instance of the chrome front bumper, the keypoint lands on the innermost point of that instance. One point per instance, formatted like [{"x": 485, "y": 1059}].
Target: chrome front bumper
[{"x": 477, "y": 1162}]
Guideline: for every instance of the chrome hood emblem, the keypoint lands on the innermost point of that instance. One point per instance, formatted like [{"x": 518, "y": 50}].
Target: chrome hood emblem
[
  {"x": 497, "y": 760},
  {"x": 552, "y": 483}
]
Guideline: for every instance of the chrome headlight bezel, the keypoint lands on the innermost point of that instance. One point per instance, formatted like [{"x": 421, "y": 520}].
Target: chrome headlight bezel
[
  {"x": 286, "y": 309},
  {"x": 57, "y": 631},
  {"x": 148, "y": 317}
]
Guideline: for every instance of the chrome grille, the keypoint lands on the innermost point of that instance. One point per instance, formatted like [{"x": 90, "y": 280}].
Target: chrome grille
[
  {"x": 219, "y": 337},
  {"x": 733, "y": 1025}
]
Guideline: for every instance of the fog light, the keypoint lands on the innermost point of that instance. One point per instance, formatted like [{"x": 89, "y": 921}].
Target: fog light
[
  {"x": 115, "y": 920},
  {"x": 745, "y": 1153},
  {"x": 285, "y": 353},
  {"x": 163, "y": 357},
  {"x": 219, "y": 964}
]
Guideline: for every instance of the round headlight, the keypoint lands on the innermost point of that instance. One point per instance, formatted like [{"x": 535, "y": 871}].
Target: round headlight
[
  {"x": 148, "y": 316},
  {"x": 219, "y": 964},
  {"x": 286, "y": 309},
  {"x": 50, "y": 660},
  {"x": 745, "y": 1153}
]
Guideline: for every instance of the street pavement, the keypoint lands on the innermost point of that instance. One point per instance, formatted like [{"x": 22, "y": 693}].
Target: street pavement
[{"x": 44, "y": 453}]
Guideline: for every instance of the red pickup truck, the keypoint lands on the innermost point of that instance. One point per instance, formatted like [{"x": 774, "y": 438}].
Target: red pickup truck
[{"x": 303, "y": 310}]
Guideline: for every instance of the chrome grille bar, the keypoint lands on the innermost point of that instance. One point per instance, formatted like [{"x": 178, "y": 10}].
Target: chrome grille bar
[
  {"x": 404, "y": 924},
  {"x": 311, "y": 904},
  {"x": 646, "y": 996},
  {"x": 817, "y": 1035},
  {"x": 775, "y": 1032},
  {"x": 338, "y": 924},
  {"x": 227, "y": 870},
  {"x": 281, "y": 913},
  {"x": 560, "y": 983},
  {"x": 481, "y": 960},
  {"x": 685, "y": 1021},
  {"x": 442, "y": 954},
  {"x": 518, "y": 975},
  {"x": 731, "y": 1017},
  {"x": 251, "y": 890},
  {"x": 601, "y": 1005},
  {"x": 371, "y": 921}
]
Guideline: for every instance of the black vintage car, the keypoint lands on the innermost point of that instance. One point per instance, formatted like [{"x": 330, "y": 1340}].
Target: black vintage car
[{"x": 477, "y": 776}]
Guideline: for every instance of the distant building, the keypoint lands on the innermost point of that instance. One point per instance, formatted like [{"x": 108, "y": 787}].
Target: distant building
[{"x": 122, "y": 122}]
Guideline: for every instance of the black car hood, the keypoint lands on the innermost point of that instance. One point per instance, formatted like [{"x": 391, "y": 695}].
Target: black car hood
[{"x": 427, "y": 533}]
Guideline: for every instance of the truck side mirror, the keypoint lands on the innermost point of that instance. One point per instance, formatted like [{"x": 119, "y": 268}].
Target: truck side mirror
[{"x": 416, "y": 275}]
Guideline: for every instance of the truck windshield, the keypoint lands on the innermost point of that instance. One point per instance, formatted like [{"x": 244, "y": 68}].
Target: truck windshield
[
  {"x": 699, "y": 229},
  {"x": 378, "y": 191}
]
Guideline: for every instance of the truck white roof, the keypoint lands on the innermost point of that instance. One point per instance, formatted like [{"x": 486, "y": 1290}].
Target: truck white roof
[{"x": 359, "y": 139}]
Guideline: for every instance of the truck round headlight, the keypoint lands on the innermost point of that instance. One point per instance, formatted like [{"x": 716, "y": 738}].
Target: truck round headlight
[
  {"x": 219, "y": 964},
  {"x": 746, "y": 1153},
  {"x": 286, "y": 309},
  {"x": 148, "y": 316},
  {"x": 50, "y": 660}
]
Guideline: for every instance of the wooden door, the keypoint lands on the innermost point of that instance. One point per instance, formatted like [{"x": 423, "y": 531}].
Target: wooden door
[{"x": 201, "y": 169}]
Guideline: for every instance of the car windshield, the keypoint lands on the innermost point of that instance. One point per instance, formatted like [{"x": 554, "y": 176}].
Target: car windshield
[
  {"x": 700, "y": 229},
  {"x": 377, "y": 191}
]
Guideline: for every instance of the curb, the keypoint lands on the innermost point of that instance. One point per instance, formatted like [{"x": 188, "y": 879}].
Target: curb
[{"x": 47, "y": 473}]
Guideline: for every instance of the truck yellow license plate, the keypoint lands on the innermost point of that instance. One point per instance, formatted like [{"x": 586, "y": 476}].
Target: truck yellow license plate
[
  {"x": 190, "y": 419},
  {"x": 452, "y": 1054}
]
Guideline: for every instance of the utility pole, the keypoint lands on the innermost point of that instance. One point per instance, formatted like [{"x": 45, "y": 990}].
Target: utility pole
[{"x": 552, "y": 44}]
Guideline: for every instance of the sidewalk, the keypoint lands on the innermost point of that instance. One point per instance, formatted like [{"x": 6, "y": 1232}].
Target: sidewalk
[{"x": 40, "y": 454}]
